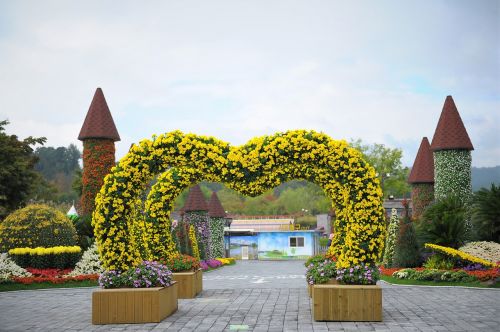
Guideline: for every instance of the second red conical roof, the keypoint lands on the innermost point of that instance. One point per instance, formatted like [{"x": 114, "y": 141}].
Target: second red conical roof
[
  {"x": 423, "y": 166},
  {"x": 450, "y": 132},
  {"x": 195, "y": 200},
  {"x": 215, "y": 209},
  {"x": 99, "y": 122}
]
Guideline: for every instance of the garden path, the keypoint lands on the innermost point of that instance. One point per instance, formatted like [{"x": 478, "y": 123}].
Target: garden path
[{"x": 282, "y": 305}]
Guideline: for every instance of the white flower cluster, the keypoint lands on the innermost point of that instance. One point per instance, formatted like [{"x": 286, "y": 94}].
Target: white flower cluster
[
  {"x": 489, "y": 251},
  {"x": 89, "y": 263},
  {"x": 9, "y": 269},
  {"x": 217, "y": 233},
  {"x": 452, "y": 174},
  {"x": 391, "y": 238}
]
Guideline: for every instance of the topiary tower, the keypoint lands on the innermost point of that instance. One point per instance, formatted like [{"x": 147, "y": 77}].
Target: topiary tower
[
  {"x": 36, "y": 225},
  {"x": 421, "y": 179},
  {"x": 217, "y": 221},
  {"x": 98, "y": 135},
  {"x": 390, "y": 242},
  {"x": 452, "y": 147},
  {"x": 196, "y": 214}
]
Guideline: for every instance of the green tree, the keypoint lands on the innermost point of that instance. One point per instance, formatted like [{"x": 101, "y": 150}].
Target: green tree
[
  {"x": 444, "y": 223},
  {"x": 59, "y": 167},
  {"x": 407, "y": 250},
  {"x": 17, "y": 176},
  {"x": 486, "y": 214},
  {"x": 387, "y": 162}
]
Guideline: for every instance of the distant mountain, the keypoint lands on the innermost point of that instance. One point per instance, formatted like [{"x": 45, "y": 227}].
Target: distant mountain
[{"x": 483, "y": 177}]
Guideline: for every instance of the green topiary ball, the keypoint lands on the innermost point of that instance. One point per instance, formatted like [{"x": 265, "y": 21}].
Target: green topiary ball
[{"x": 34, "y": 226}]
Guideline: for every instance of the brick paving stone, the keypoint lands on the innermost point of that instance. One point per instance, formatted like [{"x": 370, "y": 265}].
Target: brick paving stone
[{"x": 268, "y": 303}]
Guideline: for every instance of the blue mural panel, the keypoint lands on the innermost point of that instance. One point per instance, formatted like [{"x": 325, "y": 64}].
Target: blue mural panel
[{"x": 277, "y": 245}]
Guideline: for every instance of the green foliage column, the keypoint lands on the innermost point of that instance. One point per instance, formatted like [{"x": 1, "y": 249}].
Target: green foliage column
[
  {"x": 422, "y": 195},
  {"x": 452, "y": 174},
  {"x": 217, "y": 236},
  {"x": 391, "y": 239},
  {"x": 200, "y": 221}
]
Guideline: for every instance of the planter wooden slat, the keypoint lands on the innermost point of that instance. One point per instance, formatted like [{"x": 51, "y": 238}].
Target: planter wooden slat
[
  {"x": 190, "y": 283},
  {"x": 347, "y": 303},
  {"x": 133, "y": 305}
]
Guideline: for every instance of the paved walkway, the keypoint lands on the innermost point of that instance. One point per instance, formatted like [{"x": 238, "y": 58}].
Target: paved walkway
[{"x": 244, "y": 303}]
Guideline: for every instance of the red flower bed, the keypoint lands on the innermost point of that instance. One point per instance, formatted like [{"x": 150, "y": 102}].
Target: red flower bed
[
  {"x": 485, "y": 275},
  {"x": 48, "y": 273},
  {"x": 54, "y": 280},
  {"x": 388, "y": 271}
]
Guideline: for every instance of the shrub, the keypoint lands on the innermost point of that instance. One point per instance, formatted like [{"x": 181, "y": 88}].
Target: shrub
[
  {"x": 457, "y": 276},
  {"x": 406, "y": 251},
  {"x": 359, "y": 275},
  {"x": 145, "y": 275},
  {"x": 42, "y": 258},
  {"x": 36, "y": 226},
  {"x": 486, "y": 214},
  {"x": 181, "y": 263},
  {"x": 89, "y": 263},
  {"x": 405, "y": 274},
  {"x": 9, "y": 269},
  {"x": 319, "y": 272},
  {"x": 444, "y": 223},
  {"x": 428, "y": 275},
  {"x": 439, "y": 262}
]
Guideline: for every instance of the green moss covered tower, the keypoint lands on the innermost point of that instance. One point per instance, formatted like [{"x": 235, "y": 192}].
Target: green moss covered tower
[{"x": 452, "y": 148}]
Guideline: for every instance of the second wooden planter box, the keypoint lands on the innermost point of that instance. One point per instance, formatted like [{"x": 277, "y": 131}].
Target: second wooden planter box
[
  {"x": 133, "y": 305},
  {"x": 190, "y": 283},
  {"x": 358, "y": 303}
]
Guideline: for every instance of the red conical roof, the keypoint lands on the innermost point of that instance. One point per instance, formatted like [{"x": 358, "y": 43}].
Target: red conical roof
[
  {"x": 195, "y": 200},
  {"x": 423, "y": 166},
  {"x": 215, "y": 209},
  {"x": 450, "y": 132},
  {"x": 99, "y": 122}
]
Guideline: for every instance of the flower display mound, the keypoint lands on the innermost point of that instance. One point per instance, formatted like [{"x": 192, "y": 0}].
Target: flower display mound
[
  {"x": 459, "y": 255},
  {"x": 36, "y": 225},
  {"x": 177, "y": 161}
]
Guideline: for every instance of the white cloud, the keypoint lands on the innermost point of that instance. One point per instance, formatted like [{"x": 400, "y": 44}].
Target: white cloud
[{"x": 377, "y": 71}]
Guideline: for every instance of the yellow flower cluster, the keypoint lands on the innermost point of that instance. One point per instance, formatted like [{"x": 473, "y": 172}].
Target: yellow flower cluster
[
  {"x": 459, "y": 254},
  {"x": 194, "y": 243},
  {"x": 177, "y": 160},
  {"x": 226, "y": 261},
  {"x": 41, "y": 251}
]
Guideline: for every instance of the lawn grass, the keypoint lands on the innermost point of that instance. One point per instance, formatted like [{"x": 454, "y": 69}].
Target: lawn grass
[
  {"x": 397, "y": 281},
  {"x": 4, "y": 287}
]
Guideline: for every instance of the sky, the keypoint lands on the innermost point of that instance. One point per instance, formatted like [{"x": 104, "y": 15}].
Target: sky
[{"x": 375, "y": 70}]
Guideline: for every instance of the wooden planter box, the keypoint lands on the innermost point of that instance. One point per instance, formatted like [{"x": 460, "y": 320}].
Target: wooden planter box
[
  {"x": 133, "y": 305},
  {"x": 357, "y": 303},
  {"x": 329, "y": 282},
  {"x": 190, "y": 283}
]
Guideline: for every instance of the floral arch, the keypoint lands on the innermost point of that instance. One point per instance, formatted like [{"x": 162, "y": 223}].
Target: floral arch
[{"x": 123, "y": 224}]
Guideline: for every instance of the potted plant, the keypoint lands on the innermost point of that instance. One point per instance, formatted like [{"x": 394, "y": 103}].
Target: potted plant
[
  {"x": 143, "y": 294},
  {"x": 186, "y": 271},
  {"x": 355, "y": 298},
  {"x": 320, "y": 270}
]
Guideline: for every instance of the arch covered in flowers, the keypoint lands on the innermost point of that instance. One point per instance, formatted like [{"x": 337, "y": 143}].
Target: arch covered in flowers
[{"x": 123, "y": 224}]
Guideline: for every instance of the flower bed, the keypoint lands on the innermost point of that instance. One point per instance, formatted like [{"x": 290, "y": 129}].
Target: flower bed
[{"x": 458, "y": 254}]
